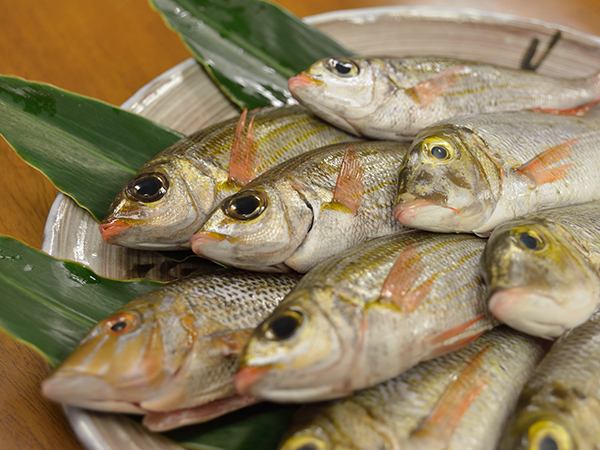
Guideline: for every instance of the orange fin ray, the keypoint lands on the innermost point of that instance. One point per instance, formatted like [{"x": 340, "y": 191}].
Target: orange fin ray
[
  {"x": 349, "y": 187},
  {"x": 454, "y": 402},
  {"x": 579, "y": 111},
  {"x": 538, "y": 169},
  {"x": 438, "y": 338},
  {"x": 245, "y": 159},
  {"x": 401, "y": 279},
  {"x": 426, "y": 91}
]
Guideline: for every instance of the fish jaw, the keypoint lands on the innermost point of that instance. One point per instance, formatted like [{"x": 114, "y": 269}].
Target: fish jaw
[
  {"x": 423, "y": 214},
  {"x": 112, "y": 228}
]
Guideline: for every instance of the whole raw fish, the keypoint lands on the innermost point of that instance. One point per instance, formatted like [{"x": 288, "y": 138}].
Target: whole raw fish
[
  {"x": 170, "y": 196},
  {"x": 471, "y": 174},
  {"x": 306, "y": 209},
  {"x": 171, "y": 354},
  {"x": 459, "y": 401},
  {"x": 394, "y": 98},
  {"x": 559, "y": 407},
  {"x": 366, "y": 315},
  {"x": 543, "y": 270}
]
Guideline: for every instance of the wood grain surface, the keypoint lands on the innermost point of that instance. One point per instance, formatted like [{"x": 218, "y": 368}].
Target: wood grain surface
[{"x": 108, "y": 50}]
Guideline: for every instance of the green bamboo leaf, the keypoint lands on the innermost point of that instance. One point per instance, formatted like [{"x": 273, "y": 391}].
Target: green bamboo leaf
[
  {"x": 87, "y": 148},
  {"x": 250, "y": 47},
  {"x": 51, "y": 303}
]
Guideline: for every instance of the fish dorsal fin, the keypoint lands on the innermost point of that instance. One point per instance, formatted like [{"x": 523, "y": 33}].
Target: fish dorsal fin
[
  {"x": 538, "y": 169},
  {"x": 402, "y": 278},
  {"x": 231, "y": 343},
  {"x": 426, "y": 91},
  {"x": 450, "y": 408},
  {"x": 245, "y": 159},
  {"x": 579, "y": 111},
  {"x": 349, "y": 187}
]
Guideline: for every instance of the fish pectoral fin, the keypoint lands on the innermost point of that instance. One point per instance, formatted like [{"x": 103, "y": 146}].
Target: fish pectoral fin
[
  {"x": 436, "y": 340},
  {"x": 168, "y": 420},
  {"x": 349, "y": 187},
  {"x": 426, "y": 91},
  {"x": 454, "y": 402},
  {"x": 231, "y": 343},
  {"x": 245, "y": 159},
  {"x": 579, "y": 111},
  {"x": 538, "y": 169},
  {"x": 402, "y": 278}
]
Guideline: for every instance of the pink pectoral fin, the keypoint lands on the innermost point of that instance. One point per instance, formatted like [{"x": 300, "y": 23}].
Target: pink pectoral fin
[
  {"x": 538, "y": 169},
  {"x": 426, "y": 91},
  {"x": 245, "y": 159},
  {"x": 577, "y": 111},
  {"x": 349, "y": 188}
]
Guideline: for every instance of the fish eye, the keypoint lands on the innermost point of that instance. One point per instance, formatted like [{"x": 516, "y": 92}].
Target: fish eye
[
  {"x": 148, "y": 187},
  {"x": 437, "y": 150},
  {"x": 284, "y": 325},
  {"x": 530, "y": 241},
  {"x": 546, "y": 435},
  {"x": 245, "y": 205},
  {"x": 305, "y": 443},
  {"x": 342, "y": 67},
  {"x": 120, "y": 324}
]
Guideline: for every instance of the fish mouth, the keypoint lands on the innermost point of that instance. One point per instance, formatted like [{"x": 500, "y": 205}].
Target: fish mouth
[
  {"x": 530, "y": 311},
  {"x": 300, "y": 81},
  {"x": 424, "y": 214},
  {"x": 204, "y": 239},
  {"x": 246, "y": 379},
  {"x": 112, "y": 228}
]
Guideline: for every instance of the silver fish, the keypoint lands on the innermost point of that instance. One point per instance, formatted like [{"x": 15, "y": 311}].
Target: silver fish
[
  {"x": 171, "y": 195},
  {"x": 366, "y": 315},
  {"x": 306, "y": 209},
  {"x": 394, "y": 98},
  {"x": 170, "y": 354},
  {"x": 472, "y": 174},
  {"x": 461, "y": 400},
  {"x": 542, "y": 270}
]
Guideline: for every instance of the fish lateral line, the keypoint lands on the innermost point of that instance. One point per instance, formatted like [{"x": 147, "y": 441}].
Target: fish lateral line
[
  {"x": 449, "y": 410},
  {"x": 426, "y": 91},
  {"x": 245, "y": 158},
  {"x": 349, "y": 187},
  {"x": 402, "y": 277},
  {"x": 538, "y": 168}
]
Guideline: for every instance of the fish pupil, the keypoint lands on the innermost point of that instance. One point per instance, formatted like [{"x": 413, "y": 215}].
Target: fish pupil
[
  {"x": 284, "y": 327},
  {"x": 246, "y": 206},
  {"x": 148, "y": 188},
  {"x": 343, "y": 67},
  {"x": 548, "y": 443},
  {"x": 439, "y": 152},
  {"x": 528, "y": 241},
  {"x": 119, "y": 326}
]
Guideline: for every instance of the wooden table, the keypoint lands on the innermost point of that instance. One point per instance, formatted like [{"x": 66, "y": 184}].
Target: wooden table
[{"x": 108, "y": 50}]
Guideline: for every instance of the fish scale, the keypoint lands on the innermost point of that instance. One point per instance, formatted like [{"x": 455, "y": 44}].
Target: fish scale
[
  {"x": 393, "y": 414},
  {"x": 350, "y": 334}
]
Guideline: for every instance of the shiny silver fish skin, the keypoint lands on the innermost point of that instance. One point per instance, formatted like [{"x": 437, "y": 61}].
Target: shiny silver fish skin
[
  {"x": 459, "y": 401},
  {"x": 192, "y": 176},
  {"x": 559, "y": 406},
  {"x": 394, "y": 98},
  {"x": 348, "y": 325},
  {"x": 497, "y": 167},
  {"x": 172, "y": 350},
  {"x": 301, "y": 222},
  {"x": 542, "y": 270}
]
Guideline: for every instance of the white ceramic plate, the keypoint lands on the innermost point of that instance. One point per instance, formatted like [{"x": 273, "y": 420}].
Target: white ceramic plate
[{"x": 184, "y": 98}]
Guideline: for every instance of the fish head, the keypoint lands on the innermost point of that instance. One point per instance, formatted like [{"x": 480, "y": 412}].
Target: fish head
[
  {"x": 123, "y": 361},
  {"x": 160, "y": 207},
  {"x": 537, "y": 281},
  {"x": 300, "y": 353},
  {"x": 447, "y": 182},
  {"x": 257, "y": 228},
  {"x": 341, "y": 90}
]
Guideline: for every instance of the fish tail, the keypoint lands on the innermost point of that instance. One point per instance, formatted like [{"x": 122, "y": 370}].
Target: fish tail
[{"x": 538, "y": 169}]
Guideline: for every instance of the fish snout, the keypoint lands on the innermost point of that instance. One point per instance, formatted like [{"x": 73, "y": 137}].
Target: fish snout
[
  {"x": 247, "y": 378},
  {"x": 111, "y": 229},
  {"x": 422, "y": 214},
  {"x": 300, "y": 81},
  {"x": 202, "y": 239}
]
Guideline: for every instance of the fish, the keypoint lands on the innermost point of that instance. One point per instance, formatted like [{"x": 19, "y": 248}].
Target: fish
[
  {"x": 470, "y": 174},
  {"x": 461, "y": 400},
  {"x": 366, "y": 315},
  {"x": 306, "y": 209},
  {"x": 542, "y": 270},
  {"x": 171, "y": 195},
  {"x": 394, "y": 98},
  {"x": 559, "y": 407},
  {"x": 171, "y": 354}
]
